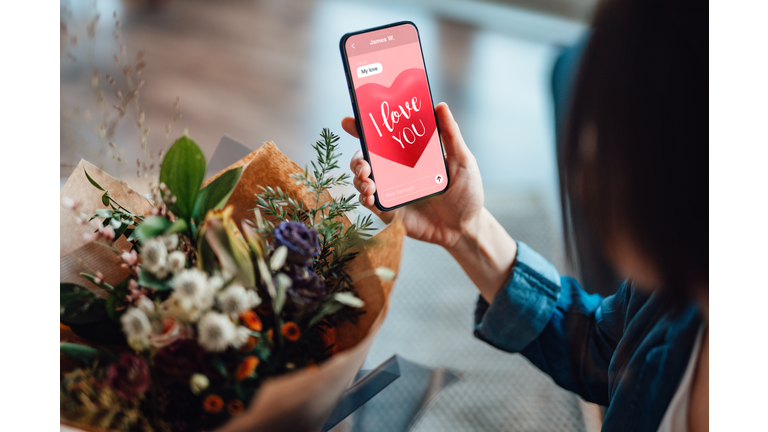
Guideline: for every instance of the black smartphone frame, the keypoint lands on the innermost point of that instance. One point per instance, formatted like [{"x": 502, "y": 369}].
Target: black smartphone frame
[{"x": 356, "y": 110}]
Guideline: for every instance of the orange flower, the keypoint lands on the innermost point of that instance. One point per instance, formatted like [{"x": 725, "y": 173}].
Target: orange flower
[
  {"x": 251, "y": 320},
  {"x": 270, "y": 334},
  {"x": 247, "y": 367},
  {"x": 235, "y": 407},
  {"x": 213, "y": 404},
  {"x": 291, "y": 331},
  {"x": 250, "y": 345}
]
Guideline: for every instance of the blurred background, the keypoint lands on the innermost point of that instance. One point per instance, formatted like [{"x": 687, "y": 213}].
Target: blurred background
[{"x": 270, "y": 70}]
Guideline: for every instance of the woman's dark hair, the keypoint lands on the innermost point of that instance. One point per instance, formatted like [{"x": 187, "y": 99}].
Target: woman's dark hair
[{"x": 634, "y": 161}]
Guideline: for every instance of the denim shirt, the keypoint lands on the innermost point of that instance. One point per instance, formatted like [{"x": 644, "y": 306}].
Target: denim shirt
[{"x": 626, "y": 352}]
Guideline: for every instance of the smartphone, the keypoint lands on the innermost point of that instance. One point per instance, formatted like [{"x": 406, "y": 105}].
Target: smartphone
[{"x": 395, "y": 114}]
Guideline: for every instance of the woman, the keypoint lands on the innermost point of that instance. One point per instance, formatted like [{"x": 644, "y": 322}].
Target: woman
[{"x": 634, "y": 168}]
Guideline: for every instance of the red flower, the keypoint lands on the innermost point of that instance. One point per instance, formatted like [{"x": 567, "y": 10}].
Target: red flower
[{"x": 129, "y": 377}]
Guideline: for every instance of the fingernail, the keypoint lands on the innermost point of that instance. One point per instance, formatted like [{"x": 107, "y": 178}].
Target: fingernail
[{"x": 358, "y": 169}]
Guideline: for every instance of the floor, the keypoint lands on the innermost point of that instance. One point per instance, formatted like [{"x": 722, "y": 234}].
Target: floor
[{"x": 270, "y": 71}]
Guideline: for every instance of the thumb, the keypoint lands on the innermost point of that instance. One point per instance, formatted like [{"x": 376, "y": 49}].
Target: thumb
[{"x": 449, "y": 132}]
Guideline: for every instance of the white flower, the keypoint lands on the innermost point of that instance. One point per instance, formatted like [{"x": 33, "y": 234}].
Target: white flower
[
  {"x": 191, "y": 283},
  {"x": 215, "y": 332},
  {"x": 253, "y": 299},
  {"x": 176, "y": 261},
  {"x": 146, "y": 305},
  {"x": 234, "y": 300},
  {"x": 139, "y": 343},
  {"x": 154, "y": 256},
  {"x": 182, "y": 308},
  {"x": 135, "y": 323},
  {"x": 171, "y": 242},
  {"x": 215, "y": 282},
  {"x": 241, "y": 336},
  {"x": 198, "y": 383}
]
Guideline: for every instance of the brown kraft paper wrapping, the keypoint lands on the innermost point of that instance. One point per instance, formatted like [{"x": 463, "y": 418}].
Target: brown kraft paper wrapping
[{"x": 301, "y": 400}]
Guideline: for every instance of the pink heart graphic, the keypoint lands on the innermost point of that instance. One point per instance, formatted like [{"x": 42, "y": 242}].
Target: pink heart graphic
[{"x": 398, "y": 119}]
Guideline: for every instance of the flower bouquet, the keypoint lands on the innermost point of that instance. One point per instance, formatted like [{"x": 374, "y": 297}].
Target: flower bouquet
[{"x": 245, "y": 302}]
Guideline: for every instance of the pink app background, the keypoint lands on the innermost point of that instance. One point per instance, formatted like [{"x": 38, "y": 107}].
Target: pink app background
[{"x": 396, "y": 183}]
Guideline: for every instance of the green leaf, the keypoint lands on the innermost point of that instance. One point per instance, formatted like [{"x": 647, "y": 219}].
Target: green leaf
[
  {"x": 152, "y": 227},
  {"x": 262, "y": 349},
  {"x": 93, "y": 182},
  {"x": 117, "y": 300},
  {"x": 79, "y": 305},
  {"x": 121, "y": 230},
  {"x": 182, "y": 171},
  {"x": 99, "y": 283},
  {"x": 179, "y": 226},
  {"x": 216, "y": 194},
  {"x": 104, "y": 213},
  {"x": 328, "y": 308},
  {"x": 105, "y": 198},
  {"x": 147, "y": 279},
  {"x": 84, "y": 353}
]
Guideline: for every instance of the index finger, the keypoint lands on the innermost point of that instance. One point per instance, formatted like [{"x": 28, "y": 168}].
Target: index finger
[{"x": 348, "y": 124}]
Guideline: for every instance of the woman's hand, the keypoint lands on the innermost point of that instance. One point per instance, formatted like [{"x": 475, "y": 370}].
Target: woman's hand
[
  {"x": 455, "y": 219},
  {"x": 443, "y": 218}
]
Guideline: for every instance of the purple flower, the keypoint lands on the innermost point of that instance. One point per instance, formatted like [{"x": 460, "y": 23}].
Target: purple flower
[
  {"x": 307, "y": 287},
  {"x": 129, "y": 377},
  {"x": 179, "y": 360},
  {"x": 302, "y": 242}
]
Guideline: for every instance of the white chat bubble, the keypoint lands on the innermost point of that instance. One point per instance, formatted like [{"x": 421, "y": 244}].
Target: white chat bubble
[{"x": 368, "y": 70}]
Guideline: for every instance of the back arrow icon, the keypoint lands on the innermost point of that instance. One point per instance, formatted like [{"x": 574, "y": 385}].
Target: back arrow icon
[{"x": 353, "y": 46}]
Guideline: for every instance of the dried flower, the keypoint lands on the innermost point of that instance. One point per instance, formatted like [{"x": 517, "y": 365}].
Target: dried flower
[
  {"x": 235, "y": 299},
  {"x": 247, "y": 368},
  {"x": 192, "y": 283},
  {"x": 215, "y": 282},
  {"x": 139, "y": 343},
  {"x": 241, "y": 336},
  {"x": 198, "y": 383},
  {"x": 176, "y": 261},
  {"x": 182, "y": 308},
  {"x": 146, "y": 305},
  {"x": 215, "y": 332},
  {"x": 171, "y": 242},
  {"x": 154, "y": 256},
  {"x": 213, "y": 404},
  {"x": 302, "y": 242},
  {"x": 129, "y": 377},
  {"x": 135, "y": 323}
]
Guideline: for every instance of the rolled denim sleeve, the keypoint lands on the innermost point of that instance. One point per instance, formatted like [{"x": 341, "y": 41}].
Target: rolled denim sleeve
[{"x": 523, "y": 307}]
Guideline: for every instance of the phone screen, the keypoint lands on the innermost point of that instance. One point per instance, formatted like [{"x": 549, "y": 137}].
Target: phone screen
[{"x": 394, "y": 108}]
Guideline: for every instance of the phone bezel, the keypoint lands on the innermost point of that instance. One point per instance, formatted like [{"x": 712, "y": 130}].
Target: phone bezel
[{"x": 358, "y": 124}]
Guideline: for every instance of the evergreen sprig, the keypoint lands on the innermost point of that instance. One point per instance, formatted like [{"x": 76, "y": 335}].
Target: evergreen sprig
[{"x": 323, "y": 215}]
